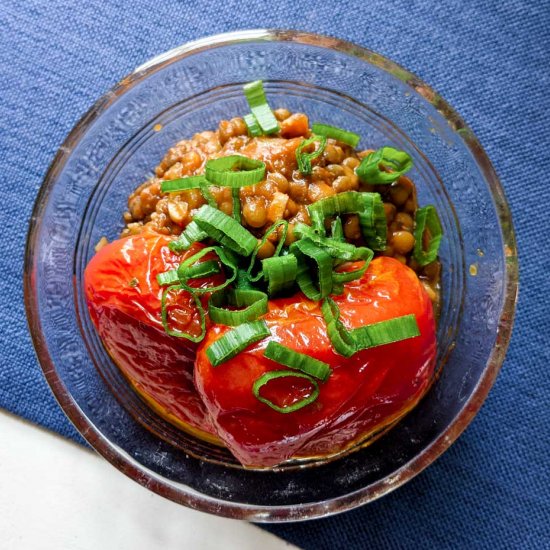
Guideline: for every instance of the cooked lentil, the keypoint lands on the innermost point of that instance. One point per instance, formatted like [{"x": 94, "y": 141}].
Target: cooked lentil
[{"x": 284, "y": 194}]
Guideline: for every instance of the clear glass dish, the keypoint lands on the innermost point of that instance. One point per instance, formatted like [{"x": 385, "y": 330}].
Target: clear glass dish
[{"x": 115, "y": 147}]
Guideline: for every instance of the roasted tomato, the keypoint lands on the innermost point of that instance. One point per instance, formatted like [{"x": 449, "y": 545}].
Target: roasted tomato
[
  {"x": 124, "y": 300},
  {"x": 364, "y": 393}
]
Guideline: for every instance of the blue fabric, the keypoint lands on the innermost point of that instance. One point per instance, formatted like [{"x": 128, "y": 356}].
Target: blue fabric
[{"x": 490, "y": 59}]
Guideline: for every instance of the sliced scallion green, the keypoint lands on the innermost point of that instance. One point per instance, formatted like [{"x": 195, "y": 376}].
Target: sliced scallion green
[
  {"x": 337, "y": 230},
  {"x": 234, "y": 171},
  {"x": 191, "y": 234},
  {"x": 182, "y": 184},
  {"x": 166, "y": 323},
  {"x": 235, "y": 341},
  {"x": 252, "y": 124},
  {"x": 272, "y": 375},
  {"x": 427, "y": 226},
  {"x": 304, "y": 159},
  {"x": 280, "y": 244},
  {"x": 314, "y": 275},
  {"x": 279, "y": 272},
  {"x": 342, "y": 342},
  {"x": 373, "y": 168},
  {"x": 225, "y": 230},
  {"x": 333, "y": 132},
  {"x": 385, "y": 332},
  {"x": 196, "y": 271},
  {"x": 185, "y": 268},
  {"x": 257, "y": 101},
  {"x": 368, "y": 206},
  {"x": 296, "y": 360},
  {"x": 236, "y": 198},
  {"x": 253, "y": 302}
]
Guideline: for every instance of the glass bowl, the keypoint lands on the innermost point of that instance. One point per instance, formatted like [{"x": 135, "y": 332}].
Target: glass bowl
[{"x": 115, "y": 147}]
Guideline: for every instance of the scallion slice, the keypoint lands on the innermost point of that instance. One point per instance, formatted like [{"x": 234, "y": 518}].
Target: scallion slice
[
  {"x": 333, "y": 132},
  {"x": 427, "y": 226},
  {"x": 234, "y": 171},
  {"x": 272, "y": 375},
  {"x": 280, "y": 244},
  {"x": 336, "y": 249},
  {"x": 184, "y": 269},
  {"x": 196, "y": 271},
  {"x": 385, "y": 332},
  {"x": 337, "y": 230},
  {"x": 182, "y": 184},
  {"x": 341, "y": 340},
  {"x": 304, "y": 159},
  {"x": 225, "y": 230},
  {"x": 347, "y": 342},
  {"x": 191, "y": 234},
  {"x": 236, "y": 198},
  {"x": 279, "y": 272},
  {"x": 165, "y": 321},
  {"x": 370, "y": 170},
  {"x": 368, "y": 206},
  {"x": 252, "y": 124},
  {"x": 296, "y": 360},
  {"x": 316, "y": 285},
  {"x": 254, "y": 303},
  {"x": 235, "y": 341},
  {"x": 255, "y": 95}
]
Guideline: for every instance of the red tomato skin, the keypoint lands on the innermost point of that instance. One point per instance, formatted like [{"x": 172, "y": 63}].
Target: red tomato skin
[
  {"x": 123, "y": 299},
  {"x": 363, "y": 393}
]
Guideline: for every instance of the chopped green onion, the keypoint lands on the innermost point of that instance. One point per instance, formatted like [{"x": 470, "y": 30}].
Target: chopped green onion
[
  {"x": 235, "y": 341},
  {"x": 426, "y": 218},
  {"x": 182, "y": 184},
  {"x": 341, "y": 277},
  {"x": 190, "y": 235},
  {"x": 191, "y": 182},
  {"x": 255, "y": 95},
  {"x": 205, "y": 190},
  {"x": 296, "y": 360},
  {"x": 370, "y": 170},
  {"x": 341, "y": 340},
  {"x": 243, "y": 280},
  {"x": 254, "y": 303},
  {"x": 279, "y": 272},
  {"x": 271, "y": 375},
  {"x": 333, "y": 132},
  {"x": 373, "y": 222},
  {"x": 252, "y": 124},
  {"x": 225, "y": 230},
  {"x": 234, "y": 171},
  {"x": 320, "y": 286},
  {"x": 177, "y": 333},
  {"x": 196, "y": 271},
  {"x": 369, "y": 206},
  {"x": 304, "y": 159},
  {"x": 347, "y": 342},
  {"x": 184, "y": 269},
  {"x": 236, "y": 197},
  {"x": 280, "y": 245},
  {"x": 337, "y": 230},
  {"x": 168, "y": 277},
  {"x": 385, "y": 332},
  {"x": 336, "y": 249}
]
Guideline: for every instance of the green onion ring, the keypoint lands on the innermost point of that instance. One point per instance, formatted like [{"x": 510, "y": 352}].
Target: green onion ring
[{"x": 271, "y": 375}]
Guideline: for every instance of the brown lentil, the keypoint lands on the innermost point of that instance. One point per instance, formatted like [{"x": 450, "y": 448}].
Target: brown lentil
[{"x": 284, "y": 194}]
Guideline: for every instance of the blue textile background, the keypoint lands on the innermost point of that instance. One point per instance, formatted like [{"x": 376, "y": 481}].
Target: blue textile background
[{"x": 490, "y": 59}]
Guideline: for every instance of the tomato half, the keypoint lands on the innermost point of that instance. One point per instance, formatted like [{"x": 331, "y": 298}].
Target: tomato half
[
  {"x": 363, "y": 394},
  {"x": 124, "y": 300}
]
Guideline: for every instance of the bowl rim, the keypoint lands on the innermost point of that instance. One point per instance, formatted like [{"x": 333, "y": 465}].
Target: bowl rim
[{"x": 183, "y": 494}]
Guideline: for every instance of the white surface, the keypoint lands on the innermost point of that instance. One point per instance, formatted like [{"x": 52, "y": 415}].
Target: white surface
[{"x": 55, "y": 495}]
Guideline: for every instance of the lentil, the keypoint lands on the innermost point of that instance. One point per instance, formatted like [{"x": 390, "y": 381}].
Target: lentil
[{"x": 284, "y": 194}]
